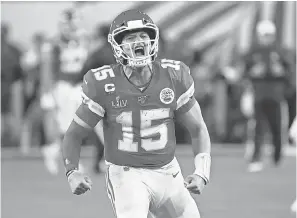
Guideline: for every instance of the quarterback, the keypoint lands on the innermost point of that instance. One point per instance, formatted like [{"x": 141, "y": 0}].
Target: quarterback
[{"x": 138, "y": 100}]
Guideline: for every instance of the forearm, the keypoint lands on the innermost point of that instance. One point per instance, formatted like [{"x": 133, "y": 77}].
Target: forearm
[
  {"x": 194, "y": 122},
  {"x": 71, "y": 145},
  {"x": 196, "y": 126},
  {"x": 201, "y": 140},
  {"x": 201, "y": 148}
]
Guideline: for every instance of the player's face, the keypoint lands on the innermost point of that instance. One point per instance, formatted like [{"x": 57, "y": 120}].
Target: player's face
[
  {"x": 266, "y": 39},
  {"x": 136, "y": 44}
]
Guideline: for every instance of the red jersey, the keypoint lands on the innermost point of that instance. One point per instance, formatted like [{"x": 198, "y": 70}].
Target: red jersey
[
  {"x": 139, "y": 125},
  {"x": 65, "y": 60}
]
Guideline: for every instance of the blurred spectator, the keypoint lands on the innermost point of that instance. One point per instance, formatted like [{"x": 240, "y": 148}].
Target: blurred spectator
[
  {"x": 62, "y": 60},
  {"x": 235, "y": 119},
  {"x": 291, "y": 95},
  {"x": 269, "y": 72},
  {"x": 203, "y": 76},
  {"x": 102, "y": 54},
  {"x": 234, "y": 122},
  {"x": 292, "y": 106},
  {"x": 31, "y": 64},
  {"x": 179, "y": 50},
  {"x": 11, "y": 74}
]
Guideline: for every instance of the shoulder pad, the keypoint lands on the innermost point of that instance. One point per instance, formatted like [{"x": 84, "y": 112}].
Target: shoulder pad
[
  {"x": 91, "y": 94},
  {"x": 165, "y": 63},
  {"x": 102, "y": 73},
  {"x": 102, "y": 78},
  {"x": 183, "y": 81},
  {"x": 175, "y": 68}
]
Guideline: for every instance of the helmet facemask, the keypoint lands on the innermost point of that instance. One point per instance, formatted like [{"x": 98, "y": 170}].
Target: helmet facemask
[{"x": 150, "y": 46}]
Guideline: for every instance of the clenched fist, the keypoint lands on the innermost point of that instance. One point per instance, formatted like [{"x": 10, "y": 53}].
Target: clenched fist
[
  {"x": 79, "y": 183},
  {"x": 194, "y": 184}
]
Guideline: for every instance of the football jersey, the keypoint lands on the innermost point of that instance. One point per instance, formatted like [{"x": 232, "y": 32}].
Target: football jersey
[
  {"x": 67, "y": 60},
  {"x": 269, "y": 71},
  {"x": 139, "y": 125}
]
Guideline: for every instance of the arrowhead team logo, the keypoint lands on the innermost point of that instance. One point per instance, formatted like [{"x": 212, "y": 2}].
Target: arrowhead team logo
[{"x": 166, "y": 95}]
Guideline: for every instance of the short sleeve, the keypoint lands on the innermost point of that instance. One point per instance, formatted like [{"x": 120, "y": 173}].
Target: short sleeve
[
  {"x": 184, "y": 89},
  {"x": 91, "y": 96}
]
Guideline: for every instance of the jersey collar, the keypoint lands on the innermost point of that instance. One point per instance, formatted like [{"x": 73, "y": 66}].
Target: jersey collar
[{"x": 128, "y": 71}]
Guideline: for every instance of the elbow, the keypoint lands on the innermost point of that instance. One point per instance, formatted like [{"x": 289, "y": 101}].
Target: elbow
[
  {"x": 201, "y": 129},
  {"x": 204, "y": 138},
  {"x": 198, "y": 131}
]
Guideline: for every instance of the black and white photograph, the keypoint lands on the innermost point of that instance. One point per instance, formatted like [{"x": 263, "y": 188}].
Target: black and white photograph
[{"x": 148, "y": 109}]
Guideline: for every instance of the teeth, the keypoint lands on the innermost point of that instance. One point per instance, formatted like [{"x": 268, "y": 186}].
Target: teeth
[{"x": 139, "y": 46}]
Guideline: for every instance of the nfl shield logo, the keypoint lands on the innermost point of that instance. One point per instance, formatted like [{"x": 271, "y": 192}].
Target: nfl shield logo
[{"x": 142, "y": 99}]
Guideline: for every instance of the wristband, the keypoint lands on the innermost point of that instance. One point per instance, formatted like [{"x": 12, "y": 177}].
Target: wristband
[
  {"x": 69, "y": 172},
  {"x": 69, "y": 166},
  {"x": 202, "y": 166}
]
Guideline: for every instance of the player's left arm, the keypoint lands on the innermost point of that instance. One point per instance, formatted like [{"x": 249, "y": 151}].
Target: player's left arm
[
  {"x": 189, "y": 114},
  {"x": 194, "y": 122}
]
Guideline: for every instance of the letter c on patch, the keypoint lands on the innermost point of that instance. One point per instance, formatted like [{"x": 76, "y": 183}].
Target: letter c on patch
[{"x": 109, "y": 87}]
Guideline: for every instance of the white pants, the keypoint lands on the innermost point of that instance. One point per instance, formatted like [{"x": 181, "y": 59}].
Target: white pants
[
  {"x": 142, "y": 193},
  {"x": 64, "y": 98}
]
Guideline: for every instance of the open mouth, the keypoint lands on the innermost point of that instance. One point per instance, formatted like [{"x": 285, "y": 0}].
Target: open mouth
[{"x": 139, "y": 51}]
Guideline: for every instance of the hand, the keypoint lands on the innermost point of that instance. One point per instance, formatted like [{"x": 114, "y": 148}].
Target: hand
[
  {"x": 79, "y": 183},
  {"x": 194, "y": 184}
]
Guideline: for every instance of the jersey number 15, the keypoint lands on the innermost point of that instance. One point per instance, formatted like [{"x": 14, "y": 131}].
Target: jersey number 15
[{"x": 147, "y": 131}]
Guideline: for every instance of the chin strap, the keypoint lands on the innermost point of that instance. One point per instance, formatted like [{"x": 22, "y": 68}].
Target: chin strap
[{"x": 202, "y": 166}]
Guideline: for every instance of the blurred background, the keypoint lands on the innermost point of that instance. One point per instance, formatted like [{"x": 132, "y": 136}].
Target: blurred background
[{"x": 213, "y": 38}]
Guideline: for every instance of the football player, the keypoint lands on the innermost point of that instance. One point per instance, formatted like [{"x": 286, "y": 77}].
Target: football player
[
  {"x": 63, "y": 59},
  {"x": 268, "y": 72},
  {"x": 138, "y": 99}
]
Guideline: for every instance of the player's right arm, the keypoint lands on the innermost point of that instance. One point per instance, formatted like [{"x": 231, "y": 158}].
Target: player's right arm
[{"x": 89, "y": 113}]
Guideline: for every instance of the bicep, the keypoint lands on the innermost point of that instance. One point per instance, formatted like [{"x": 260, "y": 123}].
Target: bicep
[{"x": 192, "y": 119}]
